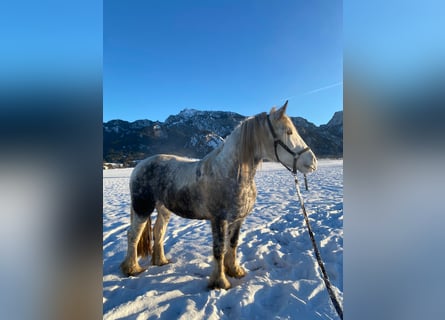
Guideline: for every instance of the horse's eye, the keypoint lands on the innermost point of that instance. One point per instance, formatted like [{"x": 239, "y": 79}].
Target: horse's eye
[{"x": 289, "y": 131}]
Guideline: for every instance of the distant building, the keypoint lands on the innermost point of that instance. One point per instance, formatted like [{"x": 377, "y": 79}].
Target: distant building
[
  {"x": 157, "y": 130},
  {"x": 111, "y": 165}
]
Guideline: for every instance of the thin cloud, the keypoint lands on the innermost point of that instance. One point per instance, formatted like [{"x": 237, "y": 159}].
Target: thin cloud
[
  {"x": 324, "y": 88},
  {"x": 313, "y": 91}
]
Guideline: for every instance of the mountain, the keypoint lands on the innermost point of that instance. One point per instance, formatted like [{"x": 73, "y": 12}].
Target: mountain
[{"x": 194, "y": 133}]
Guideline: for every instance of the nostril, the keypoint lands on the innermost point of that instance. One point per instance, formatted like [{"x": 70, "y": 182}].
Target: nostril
[{"x": 311, "y": 167}]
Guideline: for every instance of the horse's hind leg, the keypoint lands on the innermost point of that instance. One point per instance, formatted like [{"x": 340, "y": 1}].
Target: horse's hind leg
[
  {"x": 130, "y": 266},
  {"x": 158, "y": 257}
]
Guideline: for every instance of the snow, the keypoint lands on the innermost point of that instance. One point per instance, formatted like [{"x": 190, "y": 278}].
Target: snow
[
  {"x": 213, "y": 140},
  {"x": 283, "y": 280},
  {"x": 188, "y": 113}
]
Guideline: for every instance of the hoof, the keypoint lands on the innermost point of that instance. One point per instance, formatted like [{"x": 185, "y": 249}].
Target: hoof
[
  {"x": 236, "y": 272},
  {"x": 131, "y": 270},
  {"x": 160, "y": 262},
  {"x": 219, "y": 284}
]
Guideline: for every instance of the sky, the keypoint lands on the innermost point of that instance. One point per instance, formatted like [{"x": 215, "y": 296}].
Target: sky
[
  {"x": 160, "y": 57},
  {"x": 399, "y": 48},
  {"x": 43, "y": 42}
]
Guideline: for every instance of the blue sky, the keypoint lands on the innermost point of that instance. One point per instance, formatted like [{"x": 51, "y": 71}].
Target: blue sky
[
  {"x": 50, "y": 42},
  {"x": 160, "y": 57},
  {"x": 395, "y": 45}
]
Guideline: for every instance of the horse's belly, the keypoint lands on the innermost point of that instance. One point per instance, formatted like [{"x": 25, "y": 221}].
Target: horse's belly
[
  {"x": 186, "y": 203},
  {"x": 186, "y": 211},
  {"x": 209, "y": 201}
]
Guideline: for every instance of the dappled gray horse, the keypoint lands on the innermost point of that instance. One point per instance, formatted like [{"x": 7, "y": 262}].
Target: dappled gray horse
[{"x": 219, "y": 188}]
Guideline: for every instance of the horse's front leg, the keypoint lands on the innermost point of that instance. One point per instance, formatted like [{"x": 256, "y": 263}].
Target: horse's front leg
[
  {"x": 233, "y": 269},
  {"x": 159, "y": 230},
  {"x": 218, "y": 278}
]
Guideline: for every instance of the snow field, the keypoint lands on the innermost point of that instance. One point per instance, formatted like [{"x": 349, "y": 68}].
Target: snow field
[{"x": 283, "y": 279}]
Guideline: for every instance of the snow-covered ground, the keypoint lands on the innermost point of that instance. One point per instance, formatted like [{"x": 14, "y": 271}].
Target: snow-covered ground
[{"x": 283, "y": 280}]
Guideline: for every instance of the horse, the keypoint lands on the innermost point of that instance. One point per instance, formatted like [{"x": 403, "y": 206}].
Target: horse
[{"x": 220, "y": 188}]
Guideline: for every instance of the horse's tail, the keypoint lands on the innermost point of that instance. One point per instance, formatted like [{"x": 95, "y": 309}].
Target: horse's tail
[{"x": 144, "y": 244}]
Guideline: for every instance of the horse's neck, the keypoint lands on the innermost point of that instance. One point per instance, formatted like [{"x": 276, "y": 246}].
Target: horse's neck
[{"x": 228, "y": 160}]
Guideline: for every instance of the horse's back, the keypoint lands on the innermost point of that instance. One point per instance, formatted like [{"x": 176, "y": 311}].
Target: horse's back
[{"x": 159, "y": 168}]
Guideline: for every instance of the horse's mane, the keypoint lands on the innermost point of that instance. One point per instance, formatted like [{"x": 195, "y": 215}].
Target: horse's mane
[{"x": 251, "y": 138}]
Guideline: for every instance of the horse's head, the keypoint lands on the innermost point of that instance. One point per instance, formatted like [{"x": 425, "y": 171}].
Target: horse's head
[{"x": 288, "y": 147}]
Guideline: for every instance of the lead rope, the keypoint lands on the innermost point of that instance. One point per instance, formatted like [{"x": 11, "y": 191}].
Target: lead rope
[{"x": 327, "y": 283}]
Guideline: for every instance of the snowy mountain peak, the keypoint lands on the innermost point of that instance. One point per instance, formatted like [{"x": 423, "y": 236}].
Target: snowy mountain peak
[{"x": 188, "y": 113}]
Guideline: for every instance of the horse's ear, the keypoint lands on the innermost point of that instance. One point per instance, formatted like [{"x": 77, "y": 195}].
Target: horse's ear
[{"x": 277, "y": 115}]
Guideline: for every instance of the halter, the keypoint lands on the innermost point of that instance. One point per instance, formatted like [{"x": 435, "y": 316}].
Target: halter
[{"x": 277, "y": 142}]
